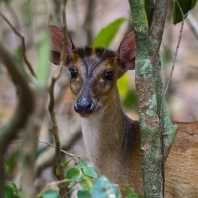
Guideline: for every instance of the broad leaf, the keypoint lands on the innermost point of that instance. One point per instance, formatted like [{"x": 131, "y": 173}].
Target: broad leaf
[
  {"x": 104, "y": 189},
  {"x": 73, "y": 173},
  {"x": 9, "y": 193},
  {"x": 49, "y": 194},
  {"x": 84, "y": 194},
  {"x": 90, "y": 172},
  {"x": 17, "y": 192},
  {"x": 186, "y": 5},
  {"x": 64, "y": 166},
  {"x": 80, "y": 164},
  {"x": 106, "y": 34}
]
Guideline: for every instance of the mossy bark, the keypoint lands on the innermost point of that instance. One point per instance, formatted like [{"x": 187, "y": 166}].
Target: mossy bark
[
  {"x": 169, "y": 130},
  {"x": 149, "y": 86},
  {"x": 152, "y": 159}
]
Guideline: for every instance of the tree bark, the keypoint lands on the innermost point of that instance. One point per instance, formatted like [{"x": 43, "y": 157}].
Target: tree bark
[{"x": 146, "y": 92}]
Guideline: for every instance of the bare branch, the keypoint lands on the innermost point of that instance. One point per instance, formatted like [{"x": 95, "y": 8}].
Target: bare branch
[
  {"x": 23, "y": 45},
  {"x": 175, "y": 55},
  {"x": 47, "y": 157},
  {"x": 51, "y": 103},
  {"x": 22, "y": 111}
]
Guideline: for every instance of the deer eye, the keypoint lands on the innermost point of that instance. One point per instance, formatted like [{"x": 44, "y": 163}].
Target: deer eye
[
  {"x": 73, "y": 72},
  {"x": 109, "y": 75}
]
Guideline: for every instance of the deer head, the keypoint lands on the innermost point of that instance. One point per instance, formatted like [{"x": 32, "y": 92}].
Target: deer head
[{"x": 94, "y": 71}]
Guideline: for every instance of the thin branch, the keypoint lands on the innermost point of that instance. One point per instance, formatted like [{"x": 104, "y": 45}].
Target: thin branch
[
  {"x": 52, "y": 101},
  {"x": 23, "y": 45},
  {"x": 52, "y": 145},
  {"x": 47, "y": 158},
  {"x": 22, "y": 111},
  {"x": 175, "y": 56},
  {"x": 65, "y": 181}
]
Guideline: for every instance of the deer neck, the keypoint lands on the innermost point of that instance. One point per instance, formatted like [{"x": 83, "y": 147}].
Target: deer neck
[{"x": 107, "y": 134}]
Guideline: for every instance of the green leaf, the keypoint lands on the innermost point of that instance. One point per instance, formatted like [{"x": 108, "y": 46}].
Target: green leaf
[
  {"x": 17, "y": 192},
  {"x": 9, "y": 193},
  {"x": 130, "y": 99},
  {"x": 86, "y": 182},
  {"x": 84, "y": 194},
  {"x": 71, "y": 184},
  {"x": 64, "y": 166},
  {"x": 104, "y": 189},
  {"x": 80, "y": 164},
  {"x": 73, "y": 173},
  {"x": 131, "y": 194},
  {"x": 134, "y": 196},
  {"x": 106, "y": 34},
  {"x": 43, "y": 50},
  {"x": 123, "y": 84},
  {"x": 49, "y": 194},
  {"x": 186, "y": 5},
  {"x": 90, "y": 172}
]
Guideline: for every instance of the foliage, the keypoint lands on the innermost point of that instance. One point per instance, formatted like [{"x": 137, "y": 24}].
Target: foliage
[
  {"x": 186, "y": 6},
  {"x": 11, "y": 191},
  {"x": 87, "y": 179},
  {"x": 107, "y": 34}
]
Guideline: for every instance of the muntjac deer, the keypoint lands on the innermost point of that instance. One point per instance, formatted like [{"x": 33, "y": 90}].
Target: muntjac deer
[{"x": 111, "y": 138}]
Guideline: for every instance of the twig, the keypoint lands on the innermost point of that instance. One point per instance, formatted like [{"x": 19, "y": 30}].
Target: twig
[
  {"x": 23, "y": 45},
  {"x": 52, "y": 184},
  {"x": 69, "y": 154},
  {"x": 64, "y": 181},
  {"x": 47, "y": 158},
  {"x": 51, "y": 103},
  {"x": 175, "y": 57}
]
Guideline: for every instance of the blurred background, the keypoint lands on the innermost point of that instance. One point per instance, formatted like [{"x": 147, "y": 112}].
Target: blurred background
[{"x": 85, "y": 19}]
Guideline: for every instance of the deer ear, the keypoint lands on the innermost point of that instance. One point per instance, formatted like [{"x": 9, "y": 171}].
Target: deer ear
[
  {"x": 57, "y": 42},
  {"x": 127, "y": 52}
]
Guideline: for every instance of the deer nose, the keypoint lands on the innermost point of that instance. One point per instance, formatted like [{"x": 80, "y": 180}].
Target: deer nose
[{"x": 84, "y": 105}]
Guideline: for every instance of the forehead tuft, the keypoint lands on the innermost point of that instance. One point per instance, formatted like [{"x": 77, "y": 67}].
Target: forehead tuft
[{"x": 99, "y": 52}]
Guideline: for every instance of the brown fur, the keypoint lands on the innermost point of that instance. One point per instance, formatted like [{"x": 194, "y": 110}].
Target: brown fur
[
  {"x": 111, "y": 138},
  {"x": 113, "y": 142}
]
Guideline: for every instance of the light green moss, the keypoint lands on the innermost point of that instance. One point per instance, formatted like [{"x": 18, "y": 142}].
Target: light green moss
[
  {"x": 152, "y": 111},
  {"x": 143, "y": 68}
]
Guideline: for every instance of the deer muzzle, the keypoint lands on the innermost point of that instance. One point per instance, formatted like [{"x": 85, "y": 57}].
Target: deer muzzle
[{"x": 84, "y": 106}]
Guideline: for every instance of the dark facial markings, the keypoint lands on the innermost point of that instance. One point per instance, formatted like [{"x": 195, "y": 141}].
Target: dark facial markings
[{"x": 93, "y": 57}]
